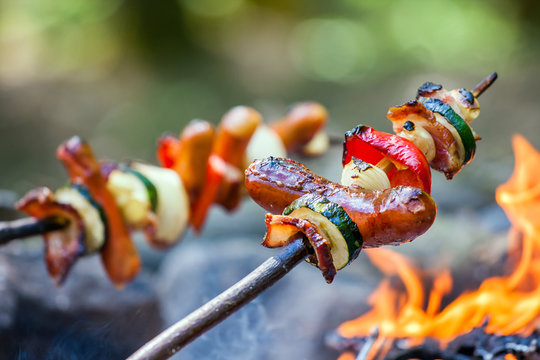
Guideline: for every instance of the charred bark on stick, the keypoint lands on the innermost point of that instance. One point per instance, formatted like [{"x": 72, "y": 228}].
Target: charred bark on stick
[{"x": 484, "y": 84}]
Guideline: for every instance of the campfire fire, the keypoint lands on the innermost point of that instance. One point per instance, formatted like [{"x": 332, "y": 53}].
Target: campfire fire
[{"x": 506, "y": 305}]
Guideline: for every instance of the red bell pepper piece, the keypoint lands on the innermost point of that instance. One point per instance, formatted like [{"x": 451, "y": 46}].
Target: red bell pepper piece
[
  {"x": 168, "y": 148},
  {"x": 224, "y": 176},
  {"x": 372, "y": 146},
  {"x": 215, "y": 173}
]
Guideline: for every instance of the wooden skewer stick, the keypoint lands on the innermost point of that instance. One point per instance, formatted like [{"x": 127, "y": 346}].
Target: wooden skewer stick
[
  {"x": 225, "y": 304},
  {"x": 22, "y": 228},
  {"x": 484, "y": 84}
]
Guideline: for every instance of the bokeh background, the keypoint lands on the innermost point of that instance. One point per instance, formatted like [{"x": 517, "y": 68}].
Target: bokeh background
[{"x": 120, "y": 73}]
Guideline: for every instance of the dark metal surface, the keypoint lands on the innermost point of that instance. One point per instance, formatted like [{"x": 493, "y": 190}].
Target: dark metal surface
[{"x": 225, "y": 304}]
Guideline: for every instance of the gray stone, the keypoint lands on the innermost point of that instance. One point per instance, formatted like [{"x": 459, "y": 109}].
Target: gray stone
[{"x": 86, "y": 318}]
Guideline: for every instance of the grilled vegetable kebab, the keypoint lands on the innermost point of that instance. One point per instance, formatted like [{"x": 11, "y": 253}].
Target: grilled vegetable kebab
[
  {"x": 384, "y": 196},
  {"x": 105, "y": 201}
]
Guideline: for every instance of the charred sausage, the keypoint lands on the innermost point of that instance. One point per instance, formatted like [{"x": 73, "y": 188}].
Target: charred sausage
[
  {"x": 300, "y": 124},
  {"x": 384, "y": 217},
  {"x": 223, "y": 178},
  {"x": 188, "y": 155}
]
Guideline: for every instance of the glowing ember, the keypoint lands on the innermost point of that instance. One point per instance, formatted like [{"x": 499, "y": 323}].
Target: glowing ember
[
  {"x": 511, "y": 303},
  {"x": 347, "y": 356}
]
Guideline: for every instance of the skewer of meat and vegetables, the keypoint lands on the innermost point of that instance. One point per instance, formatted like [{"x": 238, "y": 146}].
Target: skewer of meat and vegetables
[{"x": 383, "y": 198}]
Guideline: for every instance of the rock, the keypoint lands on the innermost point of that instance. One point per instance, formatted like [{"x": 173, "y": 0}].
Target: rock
[
  {"x": 7, "y": 201},
  {"x": 86, "y": 318}
]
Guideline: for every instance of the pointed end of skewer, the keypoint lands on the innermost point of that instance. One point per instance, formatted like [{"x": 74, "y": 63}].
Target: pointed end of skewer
[
  {"x": 484, "y": 84},
  {"x": 335, "y": 140}
]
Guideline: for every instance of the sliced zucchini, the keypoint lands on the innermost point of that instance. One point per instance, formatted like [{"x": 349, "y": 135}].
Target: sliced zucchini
[
  {"x": 333, "y": 222},
  {"x": 151, "y": 190},
  {"x": 463, "y": 129},
  {"x": 131, "y": 195},
  {"x": 461, "y": 100},
  {"x": 281, "y": 228},
  {"x": 92, "y": 214},
  {"x": 172, "y": 209},
  {"x": 360, "y": 173}
]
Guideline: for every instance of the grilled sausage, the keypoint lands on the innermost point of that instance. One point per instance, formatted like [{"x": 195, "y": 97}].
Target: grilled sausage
[
  {"x": 300, "y": 124},
  {"x": 223, "y": 178},
  {"x": 384, "y": 217}
]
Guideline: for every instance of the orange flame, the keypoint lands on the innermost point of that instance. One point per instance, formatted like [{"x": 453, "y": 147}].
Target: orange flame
[{"x": 510, "y": 303}]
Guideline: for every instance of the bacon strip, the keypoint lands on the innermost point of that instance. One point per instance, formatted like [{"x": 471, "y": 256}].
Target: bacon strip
[
  {"x": 62, "y": 247},
  {"x": 446, "y": 158},
  {"x": 384, "y": 217},
  {"x": 285, "y": 227},
  {"x": 119, "y": 255}
]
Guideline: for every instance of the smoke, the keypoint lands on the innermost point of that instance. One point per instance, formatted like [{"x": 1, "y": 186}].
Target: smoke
[
  {"x": 82, "y": 340},
  {"x": 192, "y": 276},
  {"x": 85, "y": 319},
  {"x": 79, "y": 341},
  {"x": 85, "y": 342},
  {"x": 287, "y": 321},
  {"x": 242, "y": 336}
]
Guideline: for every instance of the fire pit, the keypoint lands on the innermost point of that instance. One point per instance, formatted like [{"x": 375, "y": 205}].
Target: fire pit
[{"x": 498, "y": 320}]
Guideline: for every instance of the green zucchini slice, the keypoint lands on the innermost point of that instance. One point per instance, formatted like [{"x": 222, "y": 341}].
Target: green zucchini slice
[
  {"x": 172, "y": 210},
  {"x": 150, "y": 187},
  {"x": 131, "y": 195},
  {"x": 333, "y": 222},
  {"x": 92, "y": 214},
  {"x": 463, "y": 129}
]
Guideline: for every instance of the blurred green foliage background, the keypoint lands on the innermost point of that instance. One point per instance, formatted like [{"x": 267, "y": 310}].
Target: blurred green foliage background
[{"x": 120, "y": 73}]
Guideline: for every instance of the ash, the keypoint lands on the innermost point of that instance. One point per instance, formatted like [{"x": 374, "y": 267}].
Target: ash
[{"x": 474, "y": 345}]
